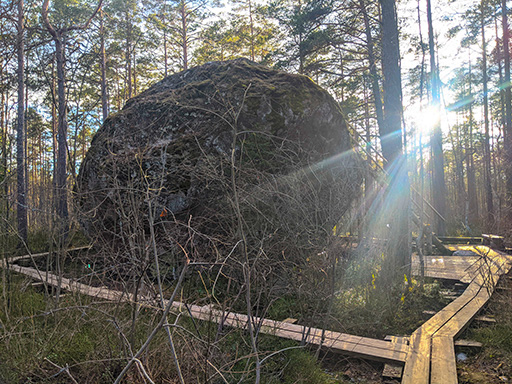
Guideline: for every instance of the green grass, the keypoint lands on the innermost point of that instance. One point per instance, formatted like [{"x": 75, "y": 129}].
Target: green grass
[{"x": 84, "y": 336}]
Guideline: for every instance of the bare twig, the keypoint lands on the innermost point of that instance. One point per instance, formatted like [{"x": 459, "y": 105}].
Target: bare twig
[{"x": 157, "y": 328}]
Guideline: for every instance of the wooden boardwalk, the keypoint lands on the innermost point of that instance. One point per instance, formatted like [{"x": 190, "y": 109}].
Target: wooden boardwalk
[
  {"x": 459, "y": 268},
  {"x": 431, "y": 359},
  {"x": 363, "y": 347},
  {"x": 430, "y": 356}
]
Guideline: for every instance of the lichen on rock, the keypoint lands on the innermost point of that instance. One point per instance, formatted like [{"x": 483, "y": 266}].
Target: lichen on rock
[{"x": 220, "y": 149}]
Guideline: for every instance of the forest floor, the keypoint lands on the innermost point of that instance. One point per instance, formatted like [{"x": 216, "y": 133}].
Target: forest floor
[{"x": 39, "y": 341}]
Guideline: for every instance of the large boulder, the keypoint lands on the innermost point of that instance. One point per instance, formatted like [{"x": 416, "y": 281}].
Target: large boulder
[{"x": 215, "y": 154}]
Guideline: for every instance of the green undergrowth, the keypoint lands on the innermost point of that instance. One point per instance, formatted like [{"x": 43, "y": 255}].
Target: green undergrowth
[
  {"x": 91, "y": 339},
  {"x": 367, "y": 310},
  {"x": 35, "y": 334},
  {"x": 375, "y": 312},
  {"x": 495, "y": 358}
]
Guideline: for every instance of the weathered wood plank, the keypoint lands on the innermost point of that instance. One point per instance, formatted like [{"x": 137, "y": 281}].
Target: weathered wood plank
[
  {"x": 484, "y": 319},
  {"x": 458, "y": 343},
  {"x": 444, "y": 368},
  {"x": 417, "y": 364},
  {"x": 447, "y": 267},
  {"x": 494, "y": 241},
  {"x": 35, "y": 255},
  {"x": 460, "y": 240},
  {"x": 467, "y": 344}
]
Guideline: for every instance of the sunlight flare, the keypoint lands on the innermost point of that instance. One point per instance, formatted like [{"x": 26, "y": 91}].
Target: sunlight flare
[{"x": 427, "y": 119}]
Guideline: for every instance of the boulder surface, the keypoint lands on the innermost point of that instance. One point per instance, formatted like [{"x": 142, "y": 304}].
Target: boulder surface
[{"x": 214, "y": 155}]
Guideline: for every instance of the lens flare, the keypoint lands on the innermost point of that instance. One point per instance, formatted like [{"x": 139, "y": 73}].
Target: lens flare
[{"x": 427, "y": 119}]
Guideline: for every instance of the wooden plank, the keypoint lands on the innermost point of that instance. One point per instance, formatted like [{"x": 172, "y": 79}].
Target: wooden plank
[
  {"x": 460, "y": 240},
  {"x": 459, "y": 268},
  {"x": 417, "y": 364},
  {"x": 444, "y": 367},
  {"x": 34, "y": 255},
  {"x": 467, "y": 344},
  {"x": 462, "y": 343},
  {"x": 392, "y": 371},
  {"x": 484, "y": 319},
  {"x": 338, "y": 342},
  {"x": 494, "y": 241}
]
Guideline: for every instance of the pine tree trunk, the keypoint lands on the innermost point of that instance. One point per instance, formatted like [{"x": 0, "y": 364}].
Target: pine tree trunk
[
  {"x": 184, "y": 36},
  {"x": 103, "y": 67},
  {"x": 373, "y": 66},
  {"x": 21, "y": 137},
  {"x": 438, "y": 182},
  {"x": 391, "y": 142},
  {"x": 473, "y": 216},
  {"x": 165, "y": 54},
  {"x": 391, "y": 134},
  {"x": 251, "y": 26},
  {"x": 61, "y": 174},
  {"x": 3, "y": 127},
  {"x": 508, "y": 107},
  {"x": 487, "y": 149},
  {"x": 128, "y": 55},
  {"x": 55, "y": 125}
]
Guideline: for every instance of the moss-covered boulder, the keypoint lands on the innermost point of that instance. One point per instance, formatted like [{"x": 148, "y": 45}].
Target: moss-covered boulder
[{"x": 216, "y": 152}]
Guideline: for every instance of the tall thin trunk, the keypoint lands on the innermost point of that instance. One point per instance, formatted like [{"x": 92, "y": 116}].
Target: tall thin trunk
[
  {"x": 500, "y": 74},
  {"x": 508, "y": 105},
  {"x": 165, "y": 54},
  {"x": 27, "y": 156},
  {"x": 3, "y": 127},
  {"x": 373, "y": 66},
  {"x": 438, "y": 181},
  {"x": 55, "y": 125},
  {"x": 421, "y": 233},
  {"x": 487, "y": 149},
  {"x": 8, "y": 160},
  {"x": 6, "y": 275},
  {"x": 128, "y": 54},
  {"x": 134, "y": 73},
  {"x": 62, "y": 134},
  {"x": 470, "y": 165},
  {"x": 21, "y": 131},
  {"x": 118, "y": 89},
  {"x": 103, "y": 68},
  {"x": 184, "y": 33},
  {"x": 501, "y": 128},
  {"x": 251, "y": 26},
  {"x": 391, "y": 134},
  {"x": 301, "y": 55},
  {"x": 458, "y": 159},
  {"x": 391, "y": 141},
  {"x": 368, "y": 182}
]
